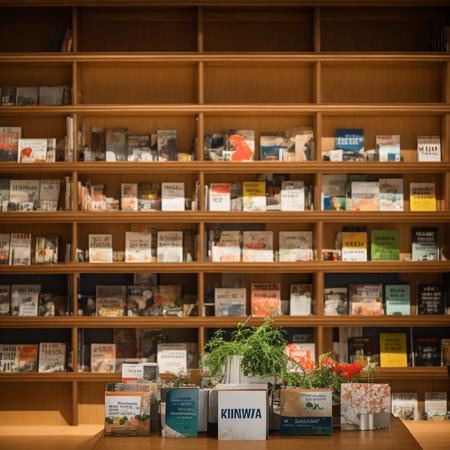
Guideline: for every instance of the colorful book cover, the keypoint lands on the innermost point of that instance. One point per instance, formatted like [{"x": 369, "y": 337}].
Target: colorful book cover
[
  {"x": 5, "y": 239},
  {"x": 391, "y": 194},
  {"x": 354, "y": 246},
  {"x": 422, "y": 197},
  {"x": 4, "y": 193},
  {"x": 334, "y": 192},
  {"x": 301, "y": 353},
  {"x": 9, "y": 143},
  {"x": 230, "y": 302},
  {"x": 27, "y": 95},
  {"x": 428, "y": 148},
  {"x": 405, "y": 405},
  {"x": 172, "y": 197},
  {"x": 398, "y": 299},
  {"x": 393, "y": 350},
  {"x": 27, "y": 358},
  {"x": 306, "y": 412},
  {"x": 272, "y": 146},
  {"x": 220, "y": 197},
  {"x": 365, "y": 196},
  {"x": 351, "y": 142},
  {"x": 360, "y": 348},
  {"x": 149, "y": 197},
  {"x": 240, "y": 145},
  {"x": 32, "y": 150},
  {"x": 265, "y": 299},
  {"x": 366, "y": 299},
  {"x": 214, "y": 146},
  {"x": 365, "y": 406},
  {"x": 103, "y": 358},
  {"x": 167, "y": 300},
  {"x": 388, "y": 147},
  {"x": 425, "y": 245},
  {"x": 292, "y": 196},
  {"x": 228, "y": 248},
  {"x": 254, "y": 196},
  {"x": 430, "y": 298},
  {"x": 181, "y": 418},
  {"x": 46, "y": 250},
  {"x": 49, "y": 193},
  {"x": 385, "y": 245}
]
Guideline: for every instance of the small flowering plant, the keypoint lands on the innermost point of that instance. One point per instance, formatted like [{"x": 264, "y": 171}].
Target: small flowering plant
[{"x": 326, "y": 373}]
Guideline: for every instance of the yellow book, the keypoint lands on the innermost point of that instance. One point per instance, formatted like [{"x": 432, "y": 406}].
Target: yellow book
[
  {"x": 422, "y": 197},
  {"x": 393, "y": 350},
  {"x": 254, "y": 196},
  {"x": 354, "y": 246}
]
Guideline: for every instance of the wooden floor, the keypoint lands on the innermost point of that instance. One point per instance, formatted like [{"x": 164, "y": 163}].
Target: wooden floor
[{"x": 430, "y": 435}]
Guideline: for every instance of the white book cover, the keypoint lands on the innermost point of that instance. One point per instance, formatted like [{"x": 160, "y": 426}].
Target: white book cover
[
  {"x": 230, "y": 302},
  {"x": 242, "y": 415},
  {"x": 228, "y": 249},
  {"x": 391, "y": 194},
  {"x": 25, "y": 300},
  {"x": 100, "y": 248},
  {"x": 170, "y": 246},
  {"x": 301, "y": 300},
  {"x": 20, "y": 249},
  {"x": 295, "y": 246},
  {"x": 32, "y": 150},
  {"x": 436, "y": 405},
  {"x": 172, "y": 358},
  {"x": 172, "y": 197},
  {"x": 405, "y": 405},
  {"x": 24, "y": 194},
  {"x": 129, "y": 197},
  {"x": 49, "y": 195},
  {"x": 258, "y": 246},
  {"x": 103, "y": 358},
  {"x": 388, "y": 147},
  {"x": 52, "y": 357},
  {"x": 428, "y": 148},
  {"x": 292, "y": 196},
  {"x": 9, "y": 358},
  {"x": 220, "y": 197},
  {"x": 138, "y": 247},
  {"x": 365, "y": 196}
]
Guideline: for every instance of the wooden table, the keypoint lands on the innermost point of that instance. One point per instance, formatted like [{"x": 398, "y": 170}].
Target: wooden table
[{"x": 90, "y": 437}]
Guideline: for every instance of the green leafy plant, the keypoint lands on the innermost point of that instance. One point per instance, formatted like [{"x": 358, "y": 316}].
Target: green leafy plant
[{"x": 262, "y": 350}]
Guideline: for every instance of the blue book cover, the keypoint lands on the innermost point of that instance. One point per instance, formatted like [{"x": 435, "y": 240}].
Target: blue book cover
[
  {"x": 351, "y": 140},
  {"x": 181, "y": 412}
]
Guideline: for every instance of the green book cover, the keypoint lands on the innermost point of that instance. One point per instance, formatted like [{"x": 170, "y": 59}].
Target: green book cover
[
  {"x": 398, "y": 299},
  {"x": 181, "y": 412},
  {"x": 385, "y": 245}
]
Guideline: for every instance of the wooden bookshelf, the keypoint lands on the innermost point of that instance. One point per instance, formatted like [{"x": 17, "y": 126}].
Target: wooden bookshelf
[{"x": 218, "y": 67}]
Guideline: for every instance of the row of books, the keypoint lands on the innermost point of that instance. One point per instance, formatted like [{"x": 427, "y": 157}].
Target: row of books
[
  {"x": 35, "y": 195},
  {"x": 15, "y": 249},
  {"x": 405, "y": 405},
  {"x": 355, "y": 193},
  {"x": 35, "y": 95},
  {"x": 15, "y": 148}
]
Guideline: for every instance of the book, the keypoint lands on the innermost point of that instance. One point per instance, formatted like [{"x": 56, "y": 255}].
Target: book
[
  {"x": 445, "y": 343},
  {"x": 388, "y": 147},
  {"x": 52, "y": 95},
  {"x": 139, "y": 147},
  {"x": 257, "y": 246},
  {"x": 4, "y": 193},
  {"x": 46, "y": 251},
  {"x": 424, "y": 241},
  {"x": 219, "y": 197},
  {"x": 365, "y": 196},
  {"x": 25, "y": 299},
  {"x": 230, "y": 302},
  {"x": 351, "y": 142},
  {"x": 366, "y": 299},
  {"x": 295, "y": 246},
  {"x": 292, "y": 196},
  {"x": 430, "y": 298},
  {"x": 306, "y": 412},
  {"x": 27, "y": 358},
  {"x": 167, "y": 299},
  {"x": 27, "y": 95},
  {"x": 182, "y": 407},
  {"x": 365, "y": 406},
  {"x": 100, "y": 248},
  {"x": 98, "y": 143},
  {"x": 300, "y": 353},
  {"x": 300, "y": 145},
  {"x": 172, "y": 197},
  {"x": 397, "y": 298},
  {"x": 240, "y": 145},
  {"x": 354, "y": 246},
  {"x": 149, "y": 196},
  {"x": 167, "y": 145},
  {"x": 391, "y": 194},
  {"x": 20, "y": 249},
  {"x": 5, "y": 300},
  {"x": 103, "y": 358},
  {"x": 272, "y": 146},
  {"x": 32, "y": 150},
  {"x": 129, "y": 196},
  {"x": 4, "y": 248},
  {"x": 214, "y": 146},
  {"x": 8, "y": 96},
  {"x": 427, "y": 351},
  {"x": 228, "y": 248},
  {"x": 138, "y": 247},
  {"x": 428, "y": 148},
  {"x": 51, "y": 305},
  {"x": 111, "y": 300},
  {"x": 242, "y": 412},
  {"x": 405, "y": 405},
  {"x": 254, "y": 196},
  {"x": 116, "y": 144},
  {"x": 422, "y": 197},
  {"x": 49, "y": 194},
  {"x": 170, "y": 246},
  {"x": 336, "y": 301},
  {"x": 436, "y": 405},
  {"x": 9, "y": 143},
  {"x": 393, "y": 350},
  {"x": 359, "y": 349},
  {"x": 333, "y": 196},
  {"x": 147, "y": 371},
  {"x": 172, "y": 358},
  {"x": 385, "y": 245},
  {"x": 300, "y": 303},
  {"x": 52, "y": 357},
  {"x": 265, "y": 299},
  {"x": 139, "y": 301},
  {"x": 23, "y": 195}
]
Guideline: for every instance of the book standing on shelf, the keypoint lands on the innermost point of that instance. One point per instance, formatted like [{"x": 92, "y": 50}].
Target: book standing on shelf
[
  {"x": 20, "y": 249},
  {"x": 254, "y": 196},
  {"x": 5, "y": 300},
  {"x": 427, "y": 351},
  {"x": 351, "y": 142},
  {"x": 219, "y": 197},
  {"x": 139, "y": 147},
  {"x": 51, "y": 305},
  {"x": 100, "y": 248},
  {"x": 300, "y": 300},
  {"x": 425, "y": 245},
  {"x": 172, "y": 197},
  {"x": 422, "y": 197},
  {"x": 405, "y": 405},
  {"x": 265, "y": 299},
  {"x": 23, "y": 195},
  {"x": 397, "y": 299},
  {"x": 111, "y": 301},
  {"x": 228, "y": 248},
  {"x": 214, "y": 146},
  {"x": 49, "y": 194},
  {"x": 436, "y": 405},
  {"x": 428, "y": 148},
  {"x": 240, "y": 145},
  {"x": 385, "y": 245},
  {"x": 138, "y": 247},
  {"x": 393, "y": 350},
  {"x": 139, "y": 301},
  {"x": 360, "y": 349},
  {"x": 46, "y": 251},
  {"x": 170, "y": 246},
  {"x": 430, "y": 298},
  {"x": 391, "y": 194},
  {"x": 292, "y": 196},
  {"x": 129, "y": 196},
  {"x": 4, "y": 248},
  {"x": 27, "y": 95},
  {"x": 354, "y": 246},
  {"x": 388, "y": 147},
  {"x": 333, "y": 192},
  {"x": 25, "y": 299},
  {"x": 336, "y": 301},
  {"x": 365, "y": 196},
  {"x": 295, "y": 246},
  {"x": 116, "y": 144},
  {"x": 257, "y": 246},
  {"x": 52, "y": 357},
  {"x": 272, "y": 146},
  {"x": 9, "y": 143},
  {"x": 32, "y": 150},
  {"x": 230, "y": 301},
  {"x": 366, "y": 299},
  {"x": 172, "y": 358},
  {"x": 103, "y": 358}
]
